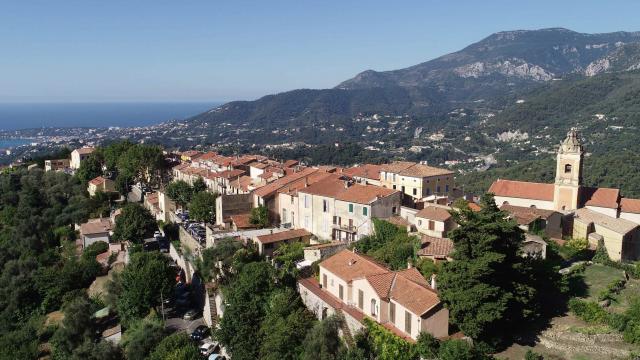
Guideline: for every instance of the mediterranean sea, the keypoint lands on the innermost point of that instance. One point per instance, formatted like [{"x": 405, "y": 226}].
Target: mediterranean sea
[{"x": 14, "y": 116}]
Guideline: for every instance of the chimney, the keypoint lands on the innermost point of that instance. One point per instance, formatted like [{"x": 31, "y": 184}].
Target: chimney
[
  {"x": 271, "y": 232},
  {"x": 351, "y": 262},
  {"x": 433, "y": 282},
  {"x": 409, "y": 266},
  {"x": 306, "y": 182}
]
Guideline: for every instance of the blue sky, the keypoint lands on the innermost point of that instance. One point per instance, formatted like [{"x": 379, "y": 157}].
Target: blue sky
[{"x": 209, "y": 50}]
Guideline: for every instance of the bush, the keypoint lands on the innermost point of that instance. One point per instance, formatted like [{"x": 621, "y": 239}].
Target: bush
[
  {"x": 531, "y": 355},
  {"x": 97, "y": 248},
  {"x": 612, "y": 289},
  {"x": 588, "y": 311},
  {"x": 601, "y": 256}
]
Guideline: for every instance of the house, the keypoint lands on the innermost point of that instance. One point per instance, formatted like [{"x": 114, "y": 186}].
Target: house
[
  {"x": 337, "y": 209},
  {"x": 416, "y": 180},
  {"x": 56, "y": 165},
  {"x": 268, "y": 243},
  {"x": 366, "y": 174},
  {"x": 620, "y": 236},
  {"x": 100, "y": 184},
  {"x": 534, "y": 245},
  {"x": 534, "y": 220},
  {"x": 241, "y": 222},
  {"x": 79, "y": 155},
  {"x": 435, "y": 248},
  {"x": 359, "y": 287},
  {"x": 434, "y": 220},
  {"x": 190, "y": 155},
  {"x": 322, "y": 251},
  {"x": 228, "y": 205},
  {"x": 95, "y": 230}
]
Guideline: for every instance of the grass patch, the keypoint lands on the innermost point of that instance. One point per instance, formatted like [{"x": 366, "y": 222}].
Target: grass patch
[
  {"x": 598, "y": 277},
  {"x": 591, "y": 330}
]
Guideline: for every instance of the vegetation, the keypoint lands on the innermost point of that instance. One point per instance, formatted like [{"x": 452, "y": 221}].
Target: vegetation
[
  {"x": 488, "y": 287},
  {"x": 142, "y": 337},
  {"x": 259, "y": 216},
  {"x": 390, "y": 244},
  {"x": 202, "y": 206},
  {"x": 180, "y": 192},
  {"x": 38, "y": 262},
  {"x": 134, "y": 224},
  {"x": 176, "y": 347}
]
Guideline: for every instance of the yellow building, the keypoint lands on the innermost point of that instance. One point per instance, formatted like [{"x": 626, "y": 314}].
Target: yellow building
[{"x": 416, "y": 180}]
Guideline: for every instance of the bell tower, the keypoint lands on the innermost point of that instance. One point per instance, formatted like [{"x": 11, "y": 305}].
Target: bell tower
[{"x": 568, "y": 173}]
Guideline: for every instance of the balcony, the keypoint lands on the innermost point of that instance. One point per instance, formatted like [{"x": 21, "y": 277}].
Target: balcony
[{"x": 347, "y": 228}]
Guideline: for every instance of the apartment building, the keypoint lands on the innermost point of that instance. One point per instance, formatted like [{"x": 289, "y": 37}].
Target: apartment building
[
  {"x": 402, "y": 301},
  {"x": 416, "y": 180}
]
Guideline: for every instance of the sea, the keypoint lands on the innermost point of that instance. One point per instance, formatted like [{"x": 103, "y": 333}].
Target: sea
[{"x": 15, "y": 116}]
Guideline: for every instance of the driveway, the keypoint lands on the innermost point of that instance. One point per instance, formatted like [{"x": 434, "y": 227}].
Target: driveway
[{"x": 179, "y": 324}]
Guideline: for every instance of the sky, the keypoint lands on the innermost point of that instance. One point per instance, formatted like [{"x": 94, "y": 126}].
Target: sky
[{"x": 214, "y": 50}]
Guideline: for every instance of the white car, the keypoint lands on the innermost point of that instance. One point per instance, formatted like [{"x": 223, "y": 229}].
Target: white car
[{"x": 208, "y": 348}]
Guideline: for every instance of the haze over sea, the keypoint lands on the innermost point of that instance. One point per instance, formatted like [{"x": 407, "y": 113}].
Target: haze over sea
[{"x": 14, "y": 116}]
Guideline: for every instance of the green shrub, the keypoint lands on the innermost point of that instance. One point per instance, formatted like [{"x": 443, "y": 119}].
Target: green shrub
[{"x": 588, "y": 311}]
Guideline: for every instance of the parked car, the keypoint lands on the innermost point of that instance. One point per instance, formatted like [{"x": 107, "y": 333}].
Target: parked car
[
  {"x": 209, "y": 348},
  {"x": 200, "y": 333},
  {"x": 157, "y": 234},
  {"x": 216, "y": 357},
  {"x": 191, "y": 314}
]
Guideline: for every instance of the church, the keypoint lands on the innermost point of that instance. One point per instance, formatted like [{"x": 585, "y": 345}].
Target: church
[{"x": 589, "y": 213}]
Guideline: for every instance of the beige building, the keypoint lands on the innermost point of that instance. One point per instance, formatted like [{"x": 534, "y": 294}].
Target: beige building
[
  {"x": 337, "y": 209},
  {"x": 402, "y": 301},
  {"x": 101, "y": 184},
  {"x": 416, "y": 180},
  {"x": 95, "y": 230},
  {"x": 620, "y": 236},
  {"x": 269, "y": 243},
  {"x": 79, "y": 155},
  {"x": 56, "y": 165},
  {"x": 434, "y": 220}
]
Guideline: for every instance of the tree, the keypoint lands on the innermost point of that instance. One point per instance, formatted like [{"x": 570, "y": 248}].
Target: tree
[
  {"x": 484, "y": 287},
  {"x": 202, "y": 206},
  {"x": 77, "y": 326},
  {"x": 142, "y": 337},
  {"x": 601, "y": 256},
  {"x": 223, "y": 254},
  {"x": 134, "y": 224},
  {"x": 245, "y": 299},
  {"x": 141, "y": 283},
  {"x": 101, "y": 350},
  {"x": 199, "y": 185},
  {"x": 284, "y": 328},
  {"x": 459, "y": 350},
  {"x": 176, "y": 347},
  {"x": 322, "y": 342},
  {"x": 180, "y": 192},
  {"x": 259, "y": 216},
  {"x": 427, "y": 346},
  {"x": 531, "y": 355},
  {"x": 90, "y": 168}
]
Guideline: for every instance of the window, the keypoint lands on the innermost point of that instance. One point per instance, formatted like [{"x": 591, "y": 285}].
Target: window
[
  {"x": 374, "y": 307},
  {"x": 392, "y": 312},
  {"x": 365, "y": 211},
  {"x": 292, "y": 199},
  {"x": 428, "y": 191},
  {"x": 567, "y": 168},
  {"x": 393, "y": 209},
  {"x": 360, "y": 299},
  {"x": 407, "y": 322},
  {"x": 306, "y": 201},
  {"x": 284, "y": 216},
  {"x": 446, "y": 188},
  {"x": 306, "y": 221},
  {"x": 325, "y": 205},
  {"x": 432, "y": 225},
  {"x": 394, "y": 177},
  {"x": 293, "y": 219},
  {"x": 419, "y": 222},
  {"x": 402, "y": 188},
  {"x": 324, "y": 280},
  {"x": 350, "y": 208},
  {"x": 438, "y": 189},
  {"x": 394, "y": 187},
  {"x": 335, "y": 220},
  {"x": 415, "y": 191},
  {"x": 340, "y": 292}
]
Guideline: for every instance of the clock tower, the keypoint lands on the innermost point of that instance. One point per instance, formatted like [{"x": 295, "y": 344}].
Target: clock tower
[{"x": 568, "y": 173}]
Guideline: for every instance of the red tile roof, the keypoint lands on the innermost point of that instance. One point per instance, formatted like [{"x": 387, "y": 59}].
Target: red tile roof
[
  {"x": 241, "y": 221},
  {"x": 367, "y": 171},
  {"x": 526, "y": 215},
  {"x": 290, "y": 163},
  {"x": 85, "y": 150},
  {"x": 406, "y": 168},
  {"x": 433, "y": 212},
  {"x": 282, "y": 236},
  {"x": 436, "y": 247},
  {"x": 273, "y": 187},
  {"x": 601, "y": 197},
  {"x": 97, "y": 181},
  {"x": 522, "y": 189},
  {"x": 96, "y": 226},
  {"x": 364, "y": 194},
  {"x": 630, "y": 205},
  {"x": 348, "y": 265}
]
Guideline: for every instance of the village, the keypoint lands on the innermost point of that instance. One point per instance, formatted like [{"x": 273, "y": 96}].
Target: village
[{"x": 270, "y": 205}]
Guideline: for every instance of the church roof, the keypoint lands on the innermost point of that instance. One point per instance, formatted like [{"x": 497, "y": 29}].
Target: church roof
[
  {"x": 601, "y": 197},
  {"x": 522, "y": 189}
]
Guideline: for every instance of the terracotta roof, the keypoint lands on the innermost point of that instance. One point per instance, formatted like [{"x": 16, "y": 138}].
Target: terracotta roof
[
  {"x": 229, "y": 174},
  {"x": 433, "y": 212},
  {"x": 364, "y": 194},
  {"x": 97, "y": 181},
  {"x": 273, "y": 187},
  {"x": 381, "y": 283},
  {"x": 526, "y": 215},
  {"x": 208, "y": 156},
  {"x": 474, "y": 207},
  {"x": 620, "y": 226},
  {"x": 96, "y": 226},
  {"x": 415, "y": 297},
  {"x": 258, "y": 165},
  {"x": 348, "y": 265},
  {"x": 437, "y": 247},
  {"x": 601, "y": 197},
  {"x": 85, "y": 150},
  {"x": 630, "y": 205},
  {"x": 282, "y": 236},
  {"x": 325, "y": 245},
  {"x": 290, "y": 163},
  {"x": 522, "y": 189},
  {"x": 414, "y": 275},
  {"x": 367, "y": 171},
  {"x": 331, "y": 187},
  {"x": 241, "y": 221},
  {"x": 398, "y": 221},
  {"x": 407, "y": 168}
]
